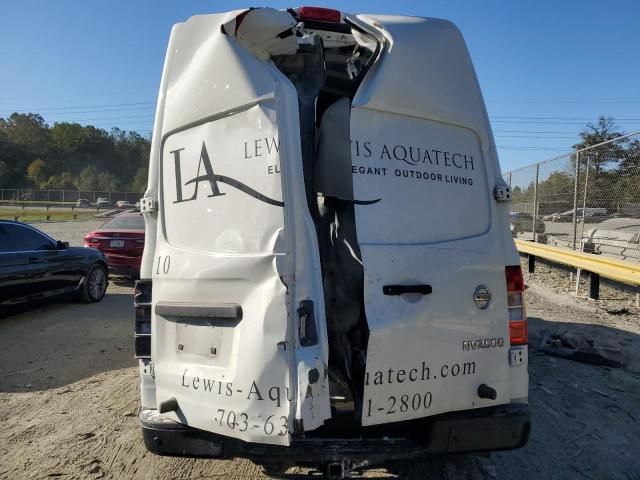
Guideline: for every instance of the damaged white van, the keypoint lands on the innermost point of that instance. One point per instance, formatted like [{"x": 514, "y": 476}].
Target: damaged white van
[{"x": 328, "y": 275}]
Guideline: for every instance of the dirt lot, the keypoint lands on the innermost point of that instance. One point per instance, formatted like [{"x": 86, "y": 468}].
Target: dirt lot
[
  {"x": 72, "y": 232},
  {"x": 69, "y": 401}
]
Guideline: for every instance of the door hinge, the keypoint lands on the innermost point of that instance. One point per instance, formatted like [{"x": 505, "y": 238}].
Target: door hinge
[
  {"x": 502, "y": 193},
  {"x": 148, "y": 205}
]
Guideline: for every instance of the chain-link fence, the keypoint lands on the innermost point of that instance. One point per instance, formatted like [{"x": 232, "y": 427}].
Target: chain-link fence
[
  {"x": 587, "y": 200},
  {"x": 18, "y": 195}
]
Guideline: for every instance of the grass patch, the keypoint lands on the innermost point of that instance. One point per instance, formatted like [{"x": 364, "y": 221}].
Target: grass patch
[
  {"x": 36, "y": 203},
  {"x": 36, "y": 216}
]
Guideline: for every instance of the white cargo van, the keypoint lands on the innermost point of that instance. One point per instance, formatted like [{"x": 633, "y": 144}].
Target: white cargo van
[{"x": 328, "y": 275}]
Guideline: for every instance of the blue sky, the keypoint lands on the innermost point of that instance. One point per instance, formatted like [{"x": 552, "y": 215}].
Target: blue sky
[{"x": 546, "y": 67}]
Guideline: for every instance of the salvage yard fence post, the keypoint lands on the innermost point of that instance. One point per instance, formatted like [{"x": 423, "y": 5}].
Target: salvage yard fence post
[
  {"x": 587, "y": 200},
  {"x": 535, "y": 204},
  {"x": 576, "y": 179}
]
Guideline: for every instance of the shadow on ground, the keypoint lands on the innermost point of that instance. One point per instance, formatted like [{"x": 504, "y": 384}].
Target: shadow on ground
[{"x": 62, "y": 342}]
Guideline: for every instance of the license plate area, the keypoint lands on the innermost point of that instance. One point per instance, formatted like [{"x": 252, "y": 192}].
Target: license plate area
[
  {"x": 116, "y": 243},
  {"x": 516, "y": 356}
]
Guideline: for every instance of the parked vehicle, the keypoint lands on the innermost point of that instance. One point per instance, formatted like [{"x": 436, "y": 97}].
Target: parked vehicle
[
  {"x": 34, "y": 266},
  {"x": 618, "y": 237},
  {"x": 83, "y": 203},
  {"x": 121, "y": 239},
  {"x": 103, "y": 202},
  {"x": 124, "y": 204},
  {"x": 590, "y": 215},
  {"x": 523, "y": 222},
  {"x": 563, "y": 217},
  {"x": 266, "y": 327},
  {"x": 594, "y": 218}
]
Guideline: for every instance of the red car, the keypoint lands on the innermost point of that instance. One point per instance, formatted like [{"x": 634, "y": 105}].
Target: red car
[{"x": 121, "y": 240}]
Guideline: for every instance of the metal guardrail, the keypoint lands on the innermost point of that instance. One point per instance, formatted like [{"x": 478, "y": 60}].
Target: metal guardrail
[
  {"x": 618, "y": 270},
  {"x": 592, "y": 185}
]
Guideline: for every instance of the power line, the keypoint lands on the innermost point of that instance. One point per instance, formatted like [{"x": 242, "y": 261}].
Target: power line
[
  {"x": 509, "y": 119},
  {"x": 619, "y": 101},
  {"x": 108, "y": 118},
  {"x": 48, "y": 115},
  {"x": 522, "y": 147},
  {"x": 547, "y": 122},
  {"x": 587, "y": 119},
  {"x": 531, "y": 131},
  {"x": 538, "y": 137},
  {"x": 79, "y": 106}
]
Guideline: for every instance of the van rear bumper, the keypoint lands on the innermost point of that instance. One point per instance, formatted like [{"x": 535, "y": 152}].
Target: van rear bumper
[{"x": 488, "y": 429}]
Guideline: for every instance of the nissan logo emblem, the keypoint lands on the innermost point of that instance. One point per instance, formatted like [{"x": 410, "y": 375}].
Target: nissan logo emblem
[{"x": 482, "y": 297}]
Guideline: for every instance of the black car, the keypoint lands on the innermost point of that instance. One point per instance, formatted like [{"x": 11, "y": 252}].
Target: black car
[
  {"x": 34, "y": 266},
  {"x": 523, "y": 222}
]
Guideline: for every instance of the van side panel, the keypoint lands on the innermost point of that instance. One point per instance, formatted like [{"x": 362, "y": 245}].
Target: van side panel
[
  {"x": 425, "y": 71},
  {"x": 219, "y": 306},
  {"x": 228, "y": 277},
  {"x": 424, "y": 170},
  {"x": 428, "y": 173}
]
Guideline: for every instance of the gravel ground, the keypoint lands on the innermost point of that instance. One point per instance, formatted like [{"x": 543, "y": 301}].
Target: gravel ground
[
  {"x": 564, "y": 282},
  {"x": 69, "y": 399},
  {"x": 72, "y": 232}
]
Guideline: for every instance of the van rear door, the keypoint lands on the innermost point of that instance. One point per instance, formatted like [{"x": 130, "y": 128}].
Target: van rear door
[
  {"x": 238, "y": 347},
  {"x": 433, "y": 246}
]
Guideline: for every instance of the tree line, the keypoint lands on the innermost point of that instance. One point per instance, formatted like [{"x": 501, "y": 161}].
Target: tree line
[
  {"x": 70, "y": 156},
  {"x": 609, "y": 174}
]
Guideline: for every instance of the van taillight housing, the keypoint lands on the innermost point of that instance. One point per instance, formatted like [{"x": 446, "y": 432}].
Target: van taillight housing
[
  {"x": 518, "y": 333},
  {"x": 319, "y": 14},
  {"x": 142, "y": 306}
]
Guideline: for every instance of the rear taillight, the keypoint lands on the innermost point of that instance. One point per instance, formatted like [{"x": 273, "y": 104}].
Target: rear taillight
[
  {"x": 319, "y": 14},
  {"x": 91, "y": 242},
  {"x": 142, "y": 305},
  {"x": 515, "y": 303}
]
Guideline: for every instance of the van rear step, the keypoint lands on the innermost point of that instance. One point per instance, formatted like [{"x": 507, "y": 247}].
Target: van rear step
[{"x": 493, "y": 428}]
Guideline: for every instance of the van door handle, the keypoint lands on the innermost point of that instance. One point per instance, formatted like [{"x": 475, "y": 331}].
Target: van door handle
[
  {"x": 402, "y": 289},
  {"x": 33, "y": 260}
]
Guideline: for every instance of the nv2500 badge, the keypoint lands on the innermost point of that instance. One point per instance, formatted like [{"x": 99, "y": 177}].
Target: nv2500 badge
[{"x": 496, "y": 342}]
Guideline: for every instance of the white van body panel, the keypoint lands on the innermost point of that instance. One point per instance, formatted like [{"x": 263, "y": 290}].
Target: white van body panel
[
  {"x": 232, "y": 250},
  {"x": 224, "y": 241},
  {"x": 438, "y": 85},
  {"x": 423, "y": 149}
]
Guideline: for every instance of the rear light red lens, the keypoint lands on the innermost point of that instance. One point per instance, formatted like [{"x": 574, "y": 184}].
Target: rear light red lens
[
  {"x": 515, "y": 280},
  {"x": 320, "y": 14},
  {"x": 518, "y": 333}
]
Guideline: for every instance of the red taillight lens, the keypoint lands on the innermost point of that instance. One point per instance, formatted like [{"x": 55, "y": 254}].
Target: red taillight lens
[
  {"x": 320, "y": 14},
  {"x": 518, "y": 333},
  {"x": 515, "y": 280},
  {"x": 91, "y": 242}
]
